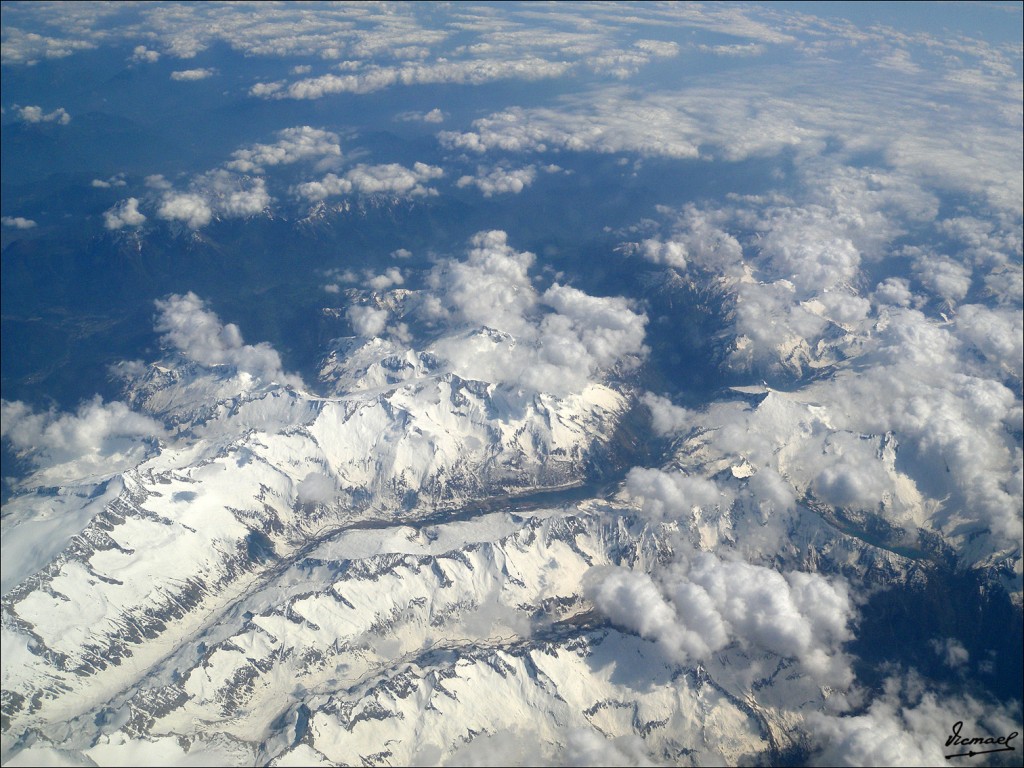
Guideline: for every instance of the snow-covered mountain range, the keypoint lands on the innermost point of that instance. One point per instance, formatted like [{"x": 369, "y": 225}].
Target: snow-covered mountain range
[{"x": 419, "y": 564}]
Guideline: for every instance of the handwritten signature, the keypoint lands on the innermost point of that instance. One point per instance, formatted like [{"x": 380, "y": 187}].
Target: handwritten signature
[{"x": 1000, "y": 744}]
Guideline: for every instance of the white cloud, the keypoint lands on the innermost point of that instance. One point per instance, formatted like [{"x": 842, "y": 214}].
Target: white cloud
[
  {"x": 217, "y": 192},
  {"x": 113, "y": 181},
  {"x": 189, "y": 208},
  {"x": 85, "y": 442},
  {"x": 433, "y": 116},
  {"x": 21, "y": 47},
  {"x": 585, "y": 747},
  {"x": 330, "y": 185},
  {"x": 393, "y": 178},
  {"x": 672, "y": 495},
  {"x": 614, "y": 128},
  {"x": 367, "y": 321},
  {"x": 662, "y": 48},
  {"x": 491, "y": 287},
  {"x": 906, "y": 726},
  {"x": 265, "y": 90},
  {"x": 605, "y": 326},
  {"x": 667, "y": 419},
  {"x": 704, "y": 603},
  {"x": 124, "y": 214},
  {"x": 670, "y": 253},
  {"x": 198, "y": 334},
  {"x": 556, "y": 342},
  {"x": 188, "y": 75},
  {"x": 232, "y": 195},
  {"x": 389, "y": 178},
  {"x": 378, "y": 78},
  {"x": 499, "y": 180},
  {"x": 765, "y": 116},
  {"x": 36, "y": 115},
  {"x": 18, "y": 222},
  {"x": 996, "y": 334},
  {"x": 853, "y": 485},
  {"x": 736, "y": 49},
  {"x": 392, "y": 276},
  {"x": 944, "y": 277},
  {"x": 894, "y": 291},
  {"x": 142, "y": 54},
  {"x": 951, "y": 651},
  {"x": 631, "y": 599},
  {"x": 402, "y": 253},
  {"x": 301, "y": 143},
  {"x": 316, "y": 488},
  {"x": 157, "y": 181}
]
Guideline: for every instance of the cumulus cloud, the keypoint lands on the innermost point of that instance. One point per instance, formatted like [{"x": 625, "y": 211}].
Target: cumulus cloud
[
  {"x": 390, "y": 178},
  {"x": 792, "y": 268},
  {"x": 951, "y": 651},
  {"x": 377, "y": 78},
  {"x": 667, "y": 419},
  {"x": 265, "y": 90},
  {"x": 671, "y": 495},
  {"x": 996, "y": 334},
  {"x": 585, "y": 747},
  {"x": 316, "y": 488},
  {"x": 218, "y": 192},
  {"x": 157, "y": 181},
  {"x": 854, "y": 485},
  {"x": 954, "y": 421},
  {"x": 301, "y": 143},
  {"x": 189, "y": 208},
  {"x": 895, "y": 291},
  {"x": 23, "y": 47},
  {"x": 606, "y": 327},
  {"x": 434, "y": 116},
  {"x": 124, "y": 214},
  {"x": 113, "y": 181},
  {"x": 198, "y": 334},
  {"x": 18, "y": 222},
  {"x": 143, "y": 54},
  {"x": 393, "y": 178},
  {"x": 943, "y": 276},
  {"x": 704, "y": 603},
  {"x": 492, "y": 286},
  {"x": 671, "y": 253},
  {"x": 232, "y": 195},
  {"x": 662, "y": 131},
  {"x": 499, "y": 180},
  {"x": 554, "y": 342},
  {"x": 909, "y": 725},
  {"x": 662, "y": 48},
  {"x": 736, "y": 49},
  {"x": 367, "y": 321},
  {"x": 392, "y": 276},
  {"x": 512, "y": 746},
  {"x": 188, "y": 75},
  {"x": 84, "y": 442},
  {"x": 36, "y": 115},
  {"x": 330, "y": 185}
]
